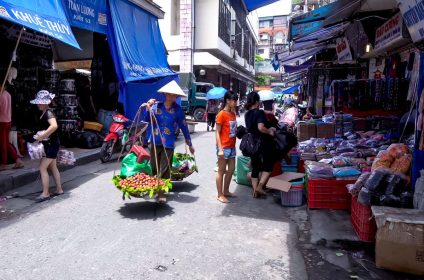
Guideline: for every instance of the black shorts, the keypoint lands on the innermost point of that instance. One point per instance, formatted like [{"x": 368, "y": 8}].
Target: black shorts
[{"x": 51, "y": 149}]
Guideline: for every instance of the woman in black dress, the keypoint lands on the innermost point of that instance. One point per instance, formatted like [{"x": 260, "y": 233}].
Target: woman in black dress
[
  {"x": 50, "y": 139},
  {"x": 258, "y": 125}
]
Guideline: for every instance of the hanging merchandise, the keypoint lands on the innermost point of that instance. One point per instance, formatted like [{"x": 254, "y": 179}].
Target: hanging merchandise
[{"x": 419, "y": 192}]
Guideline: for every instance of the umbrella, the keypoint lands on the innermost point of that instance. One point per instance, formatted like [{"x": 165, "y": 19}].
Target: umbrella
[
  {"x": 216, "y": 93},
  {"x": 266, "y": 95}
]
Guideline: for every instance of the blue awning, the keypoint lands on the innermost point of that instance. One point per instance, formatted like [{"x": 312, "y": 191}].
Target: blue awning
[
  {"x": 87, "y": 14},
  {"x": 297, "y": 68},
  {"x": 292, "y": 57},
  {"x": 292, "y": 90},
  {"x": 327, "y": 15},
  {"x": 255, "y": 4},
  {"x": 315, "y": 38},
  {"x": 44, "y": 16},
  {"x": 136, "y": 43}
]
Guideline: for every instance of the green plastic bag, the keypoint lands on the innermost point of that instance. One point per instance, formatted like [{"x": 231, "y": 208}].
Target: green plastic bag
[
  {"x": 242, "y": 168},
  {"x": 130, "y": 166},
  {"x": 183, "y": 165}
]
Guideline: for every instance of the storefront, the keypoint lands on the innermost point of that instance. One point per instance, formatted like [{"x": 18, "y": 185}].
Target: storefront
[{"x": 107, "y": 69}]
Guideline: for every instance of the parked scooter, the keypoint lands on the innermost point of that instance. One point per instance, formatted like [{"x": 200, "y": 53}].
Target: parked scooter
[{"x": 120, "y": 138}]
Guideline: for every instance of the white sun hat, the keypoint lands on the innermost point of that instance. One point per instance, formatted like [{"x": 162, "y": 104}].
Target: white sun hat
[
  {"x": 172, "y": 88},
  {"x": 43, "y": 97}
]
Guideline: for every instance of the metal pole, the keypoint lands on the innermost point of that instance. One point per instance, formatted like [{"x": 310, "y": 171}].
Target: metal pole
[{"x": 11, "y": 60}]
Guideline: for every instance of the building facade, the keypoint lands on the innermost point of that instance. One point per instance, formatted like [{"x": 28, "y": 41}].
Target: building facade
[
  {"x": 214, "y": 39},
  {"x": 273, "y": 32}
]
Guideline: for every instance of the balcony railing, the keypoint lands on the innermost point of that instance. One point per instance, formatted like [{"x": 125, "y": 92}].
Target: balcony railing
[{"x": 224, "y": 28}]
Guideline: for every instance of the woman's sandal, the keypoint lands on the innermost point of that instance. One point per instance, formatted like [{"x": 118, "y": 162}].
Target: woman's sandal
[
  {"x": 259, "y": 194},
  {"x": 41, "y": 198},
  {"x": 18, "y": 165}
]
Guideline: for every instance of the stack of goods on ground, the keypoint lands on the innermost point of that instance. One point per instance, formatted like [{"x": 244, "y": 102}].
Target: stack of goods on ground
[{"x": 387, "y": 184}]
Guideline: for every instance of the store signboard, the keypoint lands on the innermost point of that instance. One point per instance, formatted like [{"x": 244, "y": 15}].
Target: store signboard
[
  {"x": 390, "y": 31},
  {"x": 45, "y": 16},
  {"x": 136, "y": 43},
  {"x": 86, "y": 14},
  {"x": 343, "y": 50},
  {"x": 413, "y": 14}
]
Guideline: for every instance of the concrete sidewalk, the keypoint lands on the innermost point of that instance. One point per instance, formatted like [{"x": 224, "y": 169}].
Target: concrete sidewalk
[{"x": 14, "y": 178}]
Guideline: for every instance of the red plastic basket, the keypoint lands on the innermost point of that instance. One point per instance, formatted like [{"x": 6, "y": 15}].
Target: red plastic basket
[
  {"x": 363, "y": 221},
  {"x": 328, "y": 194}
]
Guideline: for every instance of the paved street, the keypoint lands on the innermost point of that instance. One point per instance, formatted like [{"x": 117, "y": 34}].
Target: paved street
[{"x": 91, "y": 233}]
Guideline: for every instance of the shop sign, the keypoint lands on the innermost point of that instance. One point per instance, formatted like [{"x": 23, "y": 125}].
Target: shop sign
[
  {"x": 86, "y": 14},
  {"x": 343, "y": 50},
  {"x": 390, "y": 31},
  {"x": 413, "y": 14},
  {"x": 47, "y": 17}
]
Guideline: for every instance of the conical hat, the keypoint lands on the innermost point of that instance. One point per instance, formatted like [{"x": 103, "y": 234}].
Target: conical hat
[{"x": 172, "y": 88}]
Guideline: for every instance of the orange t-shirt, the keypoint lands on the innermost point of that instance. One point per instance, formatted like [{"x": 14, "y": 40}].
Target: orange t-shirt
[{"x": 228, "y": 123}]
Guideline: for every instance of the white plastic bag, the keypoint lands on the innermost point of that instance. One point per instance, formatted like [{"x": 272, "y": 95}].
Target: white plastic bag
[
  {"x": 65, "y": 157},
  {"x": 36, "y": 150}
]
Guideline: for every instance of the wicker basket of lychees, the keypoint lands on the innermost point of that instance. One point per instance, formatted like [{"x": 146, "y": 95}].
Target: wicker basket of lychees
[{"x": 141, "y": 185}]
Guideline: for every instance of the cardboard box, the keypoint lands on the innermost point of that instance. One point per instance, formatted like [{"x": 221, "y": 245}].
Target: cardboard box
[
  {"x": 306, "y": 131},
  {"x": 282, "y": 182},
  {"x": 399, "y": 239},
  {"x": 325, "y": 130}
]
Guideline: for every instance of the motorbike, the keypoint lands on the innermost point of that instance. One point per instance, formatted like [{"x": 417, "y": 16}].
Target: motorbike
[{"x": 120, "y": 138}]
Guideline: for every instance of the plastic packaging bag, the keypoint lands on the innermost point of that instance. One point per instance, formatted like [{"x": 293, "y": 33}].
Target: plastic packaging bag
[
  {"x": 346, "y": 171},
  {"x": 65, "y": 157},
  {"x": 383, "y": 160},
  {"x": 183, "y": 165},
  {"x": 364, "y": 197},
  {"x": 398, "y": 150},
  {"x": 374, "y": 181},
  {"x": 394, "y": 184},
  {"x": 242, "y": 169},
  {"x": 340, "y": 162},
  {"x": 36, "y": 150},
  {"x": 319, "y": 170},
  {"x": 130, "y": 166},
  {"x": 402, "y": 164}
]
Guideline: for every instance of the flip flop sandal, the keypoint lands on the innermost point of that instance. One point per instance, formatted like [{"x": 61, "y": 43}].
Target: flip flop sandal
[
  {"x": 41, "y": 198},
  {"x": 57, "y": 193},
  {"x": 230, "y": 195},
  {"x": 223, "y": 201},
  {"x": 161, "y": 200},
  {"x": 17, "y": 166}
]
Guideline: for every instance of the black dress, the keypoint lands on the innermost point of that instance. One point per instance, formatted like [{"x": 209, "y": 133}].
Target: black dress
[
  {"x": 51, "y": 146},
  {"x": 265, "y": 160}
]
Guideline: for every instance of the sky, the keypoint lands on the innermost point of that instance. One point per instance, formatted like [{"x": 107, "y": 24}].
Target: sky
[{"x": 282, "y": 7}]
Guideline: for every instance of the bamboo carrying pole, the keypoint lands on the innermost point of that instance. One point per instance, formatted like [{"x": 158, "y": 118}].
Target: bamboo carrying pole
[{"x": 11, "y": 60}]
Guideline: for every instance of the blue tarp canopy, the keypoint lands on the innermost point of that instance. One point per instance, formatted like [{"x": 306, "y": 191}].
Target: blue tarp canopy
[
  {"x": 87, "y": 14},
  {"x": 255, "y": 4},
  {"x": 292, "y": 90},
  {"x": 136, "y": 43},
  {"x": 44, "y": 16},
  {"x": 138, "y": 53}
]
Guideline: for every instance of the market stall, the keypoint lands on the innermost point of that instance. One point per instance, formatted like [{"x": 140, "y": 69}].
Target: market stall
[{"x": 88, "y": 79}]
